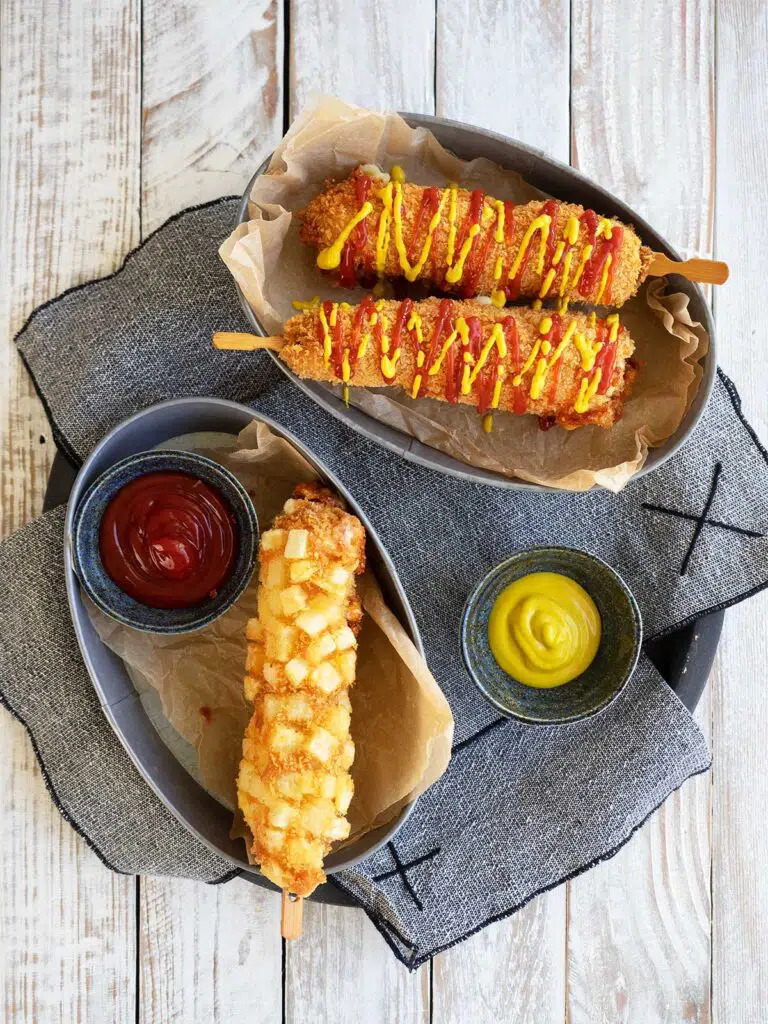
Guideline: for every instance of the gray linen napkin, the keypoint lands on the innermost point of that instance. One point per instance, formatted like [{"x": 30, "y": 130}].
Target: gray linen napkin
[{"x": 520, "y": 809}]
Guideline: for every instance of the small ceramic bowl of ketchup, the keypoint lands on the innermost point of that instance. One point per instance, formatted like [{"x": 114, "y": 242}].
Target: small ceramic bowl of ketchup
[
  {"x": 551, "y": 635},
  {"x": 165, "y": 541}
]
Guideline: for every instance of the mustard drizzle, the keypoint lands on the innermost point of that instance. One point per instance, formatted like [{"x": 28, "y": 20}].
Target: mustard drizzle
[{"x": 391, "y": 196}]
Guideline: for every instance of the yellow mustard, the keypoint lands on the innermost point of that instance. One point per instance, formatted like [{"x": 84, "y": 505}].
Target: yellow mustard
[{"x": 544, "y": 629}]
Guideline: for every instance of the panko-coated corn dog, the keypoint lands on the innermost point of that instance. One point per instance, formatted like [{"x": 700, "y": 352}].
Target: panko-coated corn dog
[
  {"x": 468, "y": 243},
  {"x": 294, "y": 785},
  {"x": 572, "y": 370}
]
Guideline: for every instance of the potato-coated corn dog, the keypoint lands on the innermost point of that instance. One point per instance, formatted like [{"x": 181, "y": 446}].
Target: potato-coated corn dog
[
  {"x": 294, "y": 785},
  {"x": 468, "y": 243},
  {"x": 572, "y": 370}
]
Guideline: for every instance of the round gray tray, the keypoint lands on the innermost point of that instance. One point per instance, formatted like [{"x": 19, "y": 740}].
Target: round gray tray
[{"x": 684, "y": 658}]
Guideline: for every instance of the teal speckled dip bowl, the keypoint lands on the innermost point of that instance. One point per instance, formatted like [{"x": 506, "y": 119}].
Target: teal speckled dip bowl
[{"x": 587, "y": 694}]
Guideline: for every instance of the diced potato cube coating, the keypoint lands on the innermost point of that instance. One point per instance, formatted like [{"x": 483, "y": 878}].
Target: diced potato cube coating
[
  {"x": 320, "y": 648},
  {"x": 273, "y": 540},
  {"x": 281, "y": 815},
  {"x": 338, "y": 577},
  {"x": 274, "y": 573},
  {"x": 338, "y": 829},
  {"x": 254, "y": 659},
  {"x": 346, "y": 662},
  {"x": 297, "y": 544},
  {"x": 250, "y": 688},
  {"x": 336, "y": 721},
  {"x": 297, "y": 671},
  {"x": 344, "y": 638},
  {"x": 317, "y": 816},
  {"x": 253, "y": 630},
  {"x": 302, "y": 851},
  {"x": 271, "y": 673},
  {"x": 298, "y": 708},
  {"x": 321, "y": 744},
  {"x": 284, "y": 739},
  {"x": 344, "y": 792},
  {"x": 325, "y": 677},
  {"x": 280, "y": 643},
  {"x": 294, "y": 787},
  {"x": 271, "y": 706},
  {"x": 312, "y": 622},
  {"x": 272, "y": 839},
  {"x": 292, "y": 600},
  {"x": 327, "y": 786},
  {"x": 301, "y": 571}
]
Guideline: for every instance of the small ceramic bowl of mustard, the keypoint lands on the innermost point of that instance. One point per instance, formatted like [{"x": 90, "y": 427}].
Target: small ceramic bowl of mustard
[{"x": 551, "y": 635}]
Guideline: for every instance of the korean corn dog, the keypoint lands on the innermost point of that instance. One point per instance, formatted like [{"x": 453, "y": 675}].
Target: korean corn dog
[
  {"x": 294, "y": 785},
  {"x": 468, "y": 243},
  {"x": 571, "y": 370}
]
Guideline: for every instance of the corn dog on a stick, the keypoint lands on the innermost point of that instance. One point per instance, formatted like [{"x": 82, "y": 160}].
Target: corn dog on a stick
[
  {"x": 572, "y": 370},
  {"x": 294, "y": 785},
  {"x": 468, "y": 243}
]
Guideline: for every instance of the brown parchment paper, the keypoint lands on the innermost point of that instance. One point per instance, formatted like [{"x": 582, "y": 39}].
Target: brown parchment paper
[
  {"x": 272, "y": 267},
  {"x": 401, "y": 723}
]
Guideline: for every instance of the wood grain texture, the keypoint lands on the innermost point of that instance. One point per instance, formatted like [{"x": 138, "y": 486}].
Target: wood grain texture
[
  {"x": 212, "y": 99},
  {"x": 212, "y": 110},
  {"x": 513, "y": 971},
  {"x": 487, "y": 60},
  {"x": 506, "y": 71},
  {"x": 643, "y": 125},
  {"x": 380, "y": 55},
  {"x": 638, "y": 925},
  {"x": 740, "y": 812},
  {"x": 342, "y": 971},
  {"x": 68, "y": 211},
  {"x": 209, "y": 953}
]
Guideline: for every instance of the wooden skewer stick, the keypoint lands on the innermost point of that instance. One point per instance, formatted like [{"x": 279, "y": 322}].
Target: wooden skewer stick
[
  {"x": 290, "y": 919},
  {"x": 234, "y": 341},
  {"x": 704, "y": 271}
]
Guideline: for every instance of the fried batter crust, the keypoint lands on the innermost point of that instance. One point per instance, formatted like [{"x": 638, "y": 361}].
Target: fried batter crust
[
  {"x": 303, "y": 353},
  {"x": 327, "y": 214}
]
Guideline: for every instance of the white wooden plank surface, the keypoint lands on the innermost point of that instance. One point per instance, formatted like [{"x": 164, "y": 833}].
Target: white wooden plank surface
[
  {"x": 68, "y": 201},
  {"x": 342, "y": 971},
  {"x": 740, "y": 811},
  {"x": 510, "y": 74},
  {"x": 212, "y": 110},
  {"x": 212, "y": 99},
  {"x": 379, "y": 55},
  {"x": 638, "y": 926},
  {"x": 209, "y": 953},
  {"x": 643, "y": 126},
  {"x": 507, "y": 70}
]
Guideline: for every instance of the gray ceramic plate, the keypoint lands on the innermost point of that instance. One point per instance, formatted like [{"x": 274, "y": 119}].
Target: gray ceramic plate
[
  {"x": 556, "y": 180},
  {"x": 204, "y": 816}
]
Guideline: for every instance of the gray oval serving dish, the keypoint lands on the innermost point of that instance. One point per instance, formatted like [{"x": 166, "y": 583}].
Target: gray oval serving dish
[
  {"x": 196, "y": 809},
  {"x": 557, "y": 180}
]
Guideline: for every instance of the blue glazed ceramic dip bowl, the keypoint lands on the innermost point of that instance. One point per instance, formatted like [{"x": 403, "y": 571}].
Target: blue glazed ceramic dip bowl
[
  {"x": 102, "y": 589},
  {"x": 587, "y": 694}
]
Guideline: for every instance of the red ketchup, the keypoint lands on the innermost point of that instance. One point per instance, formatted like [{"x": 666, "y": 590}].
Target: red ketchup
[{"x": 168, "y": 540}]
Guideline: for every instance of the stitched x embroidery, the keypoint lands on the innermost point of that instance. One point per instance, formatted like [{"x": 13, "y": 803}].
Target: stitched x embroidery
[
  {"x": 476, "y": 735},
  {"x": 403, "y": 869},
  {"x": 702, "y": 520}
]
